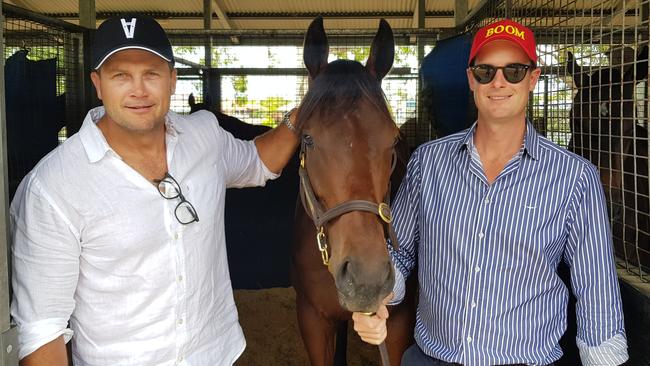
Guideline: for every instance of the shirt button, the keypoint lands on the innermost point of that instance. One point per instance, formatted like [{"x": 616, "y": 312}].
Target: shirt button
[
  {"x": 175, "y": 236},
  {"x": 180, "y": 278},
  {"x": 473, "y": 304},
  {"x": 179, "y": 359},
  {"x": 469, "y": 339},
  {"x": 481, "y": 235},
  {"x": 477, "y": 269},
  {"x": 180, "y": 322},
  {"x": 487, "y": 200}
]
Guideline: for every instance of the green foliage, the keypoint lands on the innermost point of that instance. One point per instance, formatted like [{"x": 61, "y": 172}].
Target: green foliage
[
  {"x": 240, "y": 84},
  {"x": 360, "y": 53},
  {"x": 270, "y": 107}
]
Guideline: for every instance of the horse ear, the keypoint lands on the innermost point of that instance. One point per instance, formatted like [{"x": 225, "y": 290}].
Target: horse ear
[
  {"x": 382, "y": 51},
  {"x": 574, "y": 69},
  {"x": 316, "y": 48},
  {"x": 642, "y": 64},
  {"x": 191, "y": 100}
]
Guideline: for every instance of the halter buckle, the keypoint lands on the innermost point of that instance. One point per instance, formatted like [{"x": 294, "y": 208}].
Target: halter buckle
[{"x": 384, "y": 212}]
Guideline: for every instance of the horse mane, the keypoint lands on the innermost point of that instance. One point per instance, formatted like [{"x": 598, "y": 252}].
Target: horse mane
[{"x": 339, "y": 87}]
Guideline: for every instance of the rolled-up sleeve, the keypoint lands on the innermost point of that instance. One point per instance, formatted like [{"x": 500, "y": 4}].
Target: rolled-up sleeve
[
  {"x": 601, "y": 333},
  {"x": 45, "y": 252}
]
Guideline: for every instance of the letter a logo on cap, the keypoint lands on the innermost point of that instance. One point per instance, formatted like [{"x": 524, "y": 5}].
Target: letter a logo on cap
[{"x": 129, "y": 27}]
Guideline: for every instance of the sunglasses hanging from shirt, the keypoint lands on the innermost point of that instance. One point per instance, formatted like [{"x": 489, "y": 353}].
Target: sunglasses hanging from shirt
[{"x": 513, "y": 73}]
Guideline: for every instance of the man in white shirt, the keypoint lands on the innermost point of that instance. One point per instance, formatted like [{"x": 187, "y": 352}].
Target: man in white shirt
[{"x": 120, "y": 230}]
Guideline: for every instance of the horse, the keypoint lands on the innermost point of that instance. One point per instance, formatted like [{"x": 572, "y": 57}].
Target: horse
[
  {"x": 258, "y": 220},
  {"x": 340, "y": 258},
  {"x": 605, "y": 130},
  {"x": 235, "y": 126}
]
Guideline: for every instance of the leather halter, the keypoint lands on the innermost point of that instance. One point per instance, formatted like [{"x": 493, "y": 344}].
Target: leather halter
[{"x": 320, "y": 216}]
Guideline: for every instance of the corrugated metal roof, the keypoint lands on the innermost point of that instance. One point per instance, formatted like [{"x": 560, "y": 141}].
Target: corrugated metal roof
[
  {"x": 258, "y": 14},
  {"x": 296, "y": 14}
]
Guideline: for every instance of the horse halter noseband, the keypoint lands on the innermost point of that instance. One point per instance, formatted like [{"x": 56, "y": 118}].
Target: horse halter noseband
[{"x": 320, "y": 216}]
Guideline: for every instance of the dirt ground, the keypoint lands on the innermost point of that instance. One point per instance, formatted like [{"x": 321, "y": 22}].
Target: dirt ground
[{"x": 268, "y": 318}]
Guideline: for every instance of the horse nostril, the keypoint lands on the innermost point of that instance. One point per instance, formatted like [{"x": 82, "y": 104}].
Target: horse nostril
[
  {"x": 346, "y": 272},
  {"x": 345, "y": 269}
]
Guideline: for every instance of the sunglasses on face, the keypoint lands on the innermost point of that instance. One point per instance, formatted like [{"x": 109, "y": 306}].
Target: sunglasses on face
[{"x": 513, "y": 73}]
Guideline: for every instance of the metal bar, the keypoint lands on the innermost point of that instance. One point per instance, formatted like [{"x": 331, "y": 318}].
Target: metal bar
[
  {"x": 4, "y": 202},
  {"x": 207, "y": 45},
  {"x": 222, "y": 15},
  {"x": 508, "y": 8},
  {"x": 207, "y": 14},
  {"x": 14, "y": 11},
  {"x": 460, "y": 11},
  {"x": 396, "y": 71},
  {"x": 9, "y": 347},
  {"x": 419, "y": 14},
  {"x": 183, "y": 61},
  {"x": 271, "y": 15},
  {"x": 298, "y": 32},
  {"x": 297, "y": 41},
  {"x": 8, "y": 337},
  {"x": 473, "y": 13},
  {"x": 87, "y": 14}
]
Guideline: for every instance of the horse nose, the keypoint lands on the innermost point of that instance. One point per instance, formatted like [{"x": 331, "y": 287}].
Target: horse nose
[{"x": 363, "y": 283}]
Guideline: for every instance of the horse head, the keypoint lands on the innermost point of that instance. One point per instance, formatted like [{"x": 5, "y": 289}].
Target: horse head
[
  {"x": 348, "y": 151},
  {"x": 194, "y": 106},
  {"x": 602, "y": 114}
]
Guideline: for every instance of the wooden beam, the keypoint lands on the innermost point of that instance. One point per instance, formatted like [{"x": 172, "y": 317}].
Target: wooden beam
[{"x": 223, "y": 18}]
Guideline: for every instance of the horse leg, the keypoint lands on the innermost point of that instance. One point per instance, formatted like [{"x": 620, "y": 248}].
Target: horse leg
[{"x": 318, "y": 333}]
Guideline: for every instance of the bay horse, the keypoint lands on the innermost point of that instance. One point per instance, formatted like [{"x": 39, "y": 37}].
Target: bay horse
[
  {"x": 606, "y": 130},
  {"x": 340, "y": 255}
]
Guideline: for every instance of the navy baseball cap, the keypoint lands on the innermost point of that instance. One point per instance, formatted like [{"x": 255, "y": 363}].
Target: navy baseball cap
[{"x": 130, "y": 32}]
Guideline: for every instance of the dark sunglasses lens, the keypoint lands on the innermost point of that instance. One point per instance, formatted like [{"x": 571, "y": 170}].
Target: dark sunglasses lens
[
  {"x": 483, "y": 73},
  {"x": 515, "y": 73}
]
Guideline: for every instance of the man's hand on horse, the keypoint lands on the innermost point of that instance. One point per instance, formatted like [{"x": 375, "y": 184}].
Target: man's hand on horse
[{"x": 372, "y": 327}]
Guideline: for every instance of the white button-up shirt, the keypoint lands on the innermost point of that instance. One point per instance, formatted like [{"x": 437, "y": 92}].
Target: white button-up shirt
[{"x": 94, "y": 243}]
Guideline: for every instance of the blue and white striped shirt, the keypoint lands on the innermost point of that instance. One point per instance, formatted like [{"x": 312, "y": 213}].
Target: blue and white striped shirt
[{"x": 487, "y": 254}]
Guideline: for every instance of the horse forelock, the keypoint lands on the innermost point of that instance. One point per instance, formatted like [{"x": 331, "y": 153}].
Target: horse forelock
[{"x": 340, "y": 88}]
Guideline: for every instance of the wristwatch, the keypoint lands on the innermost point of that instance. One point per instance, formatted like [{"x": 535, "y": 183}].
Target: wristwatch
[{"x": 287, "y": 121}]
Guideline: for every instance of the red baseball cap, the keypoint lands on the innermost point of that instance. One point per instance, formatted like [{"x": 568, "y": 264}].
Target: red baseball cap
[{"x": 508, "y": 30}]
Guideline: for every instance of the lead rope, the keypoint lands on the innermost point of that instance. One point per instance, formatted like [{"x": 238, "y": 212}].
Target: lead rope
[
  {"x": 384, "y": 354},
  {"x": 383, "y": 351}
]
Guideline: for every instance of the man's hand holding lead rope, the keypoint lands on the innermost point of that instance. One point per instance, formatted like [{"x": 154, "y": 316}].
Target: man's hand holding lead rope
[{"x": 371, "y": 327}]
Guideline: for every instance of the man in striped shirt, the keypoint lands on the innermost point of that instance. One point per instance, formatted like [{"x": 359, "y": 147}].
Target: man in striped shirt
[{"x": 486, "y": 215}]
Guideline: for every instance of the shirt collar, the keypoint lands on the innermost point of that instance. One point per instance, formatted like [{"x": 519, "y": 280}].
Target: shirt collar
[
  {"x": 95, "y": 143},
  {"x": 531, "y": 140}
]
